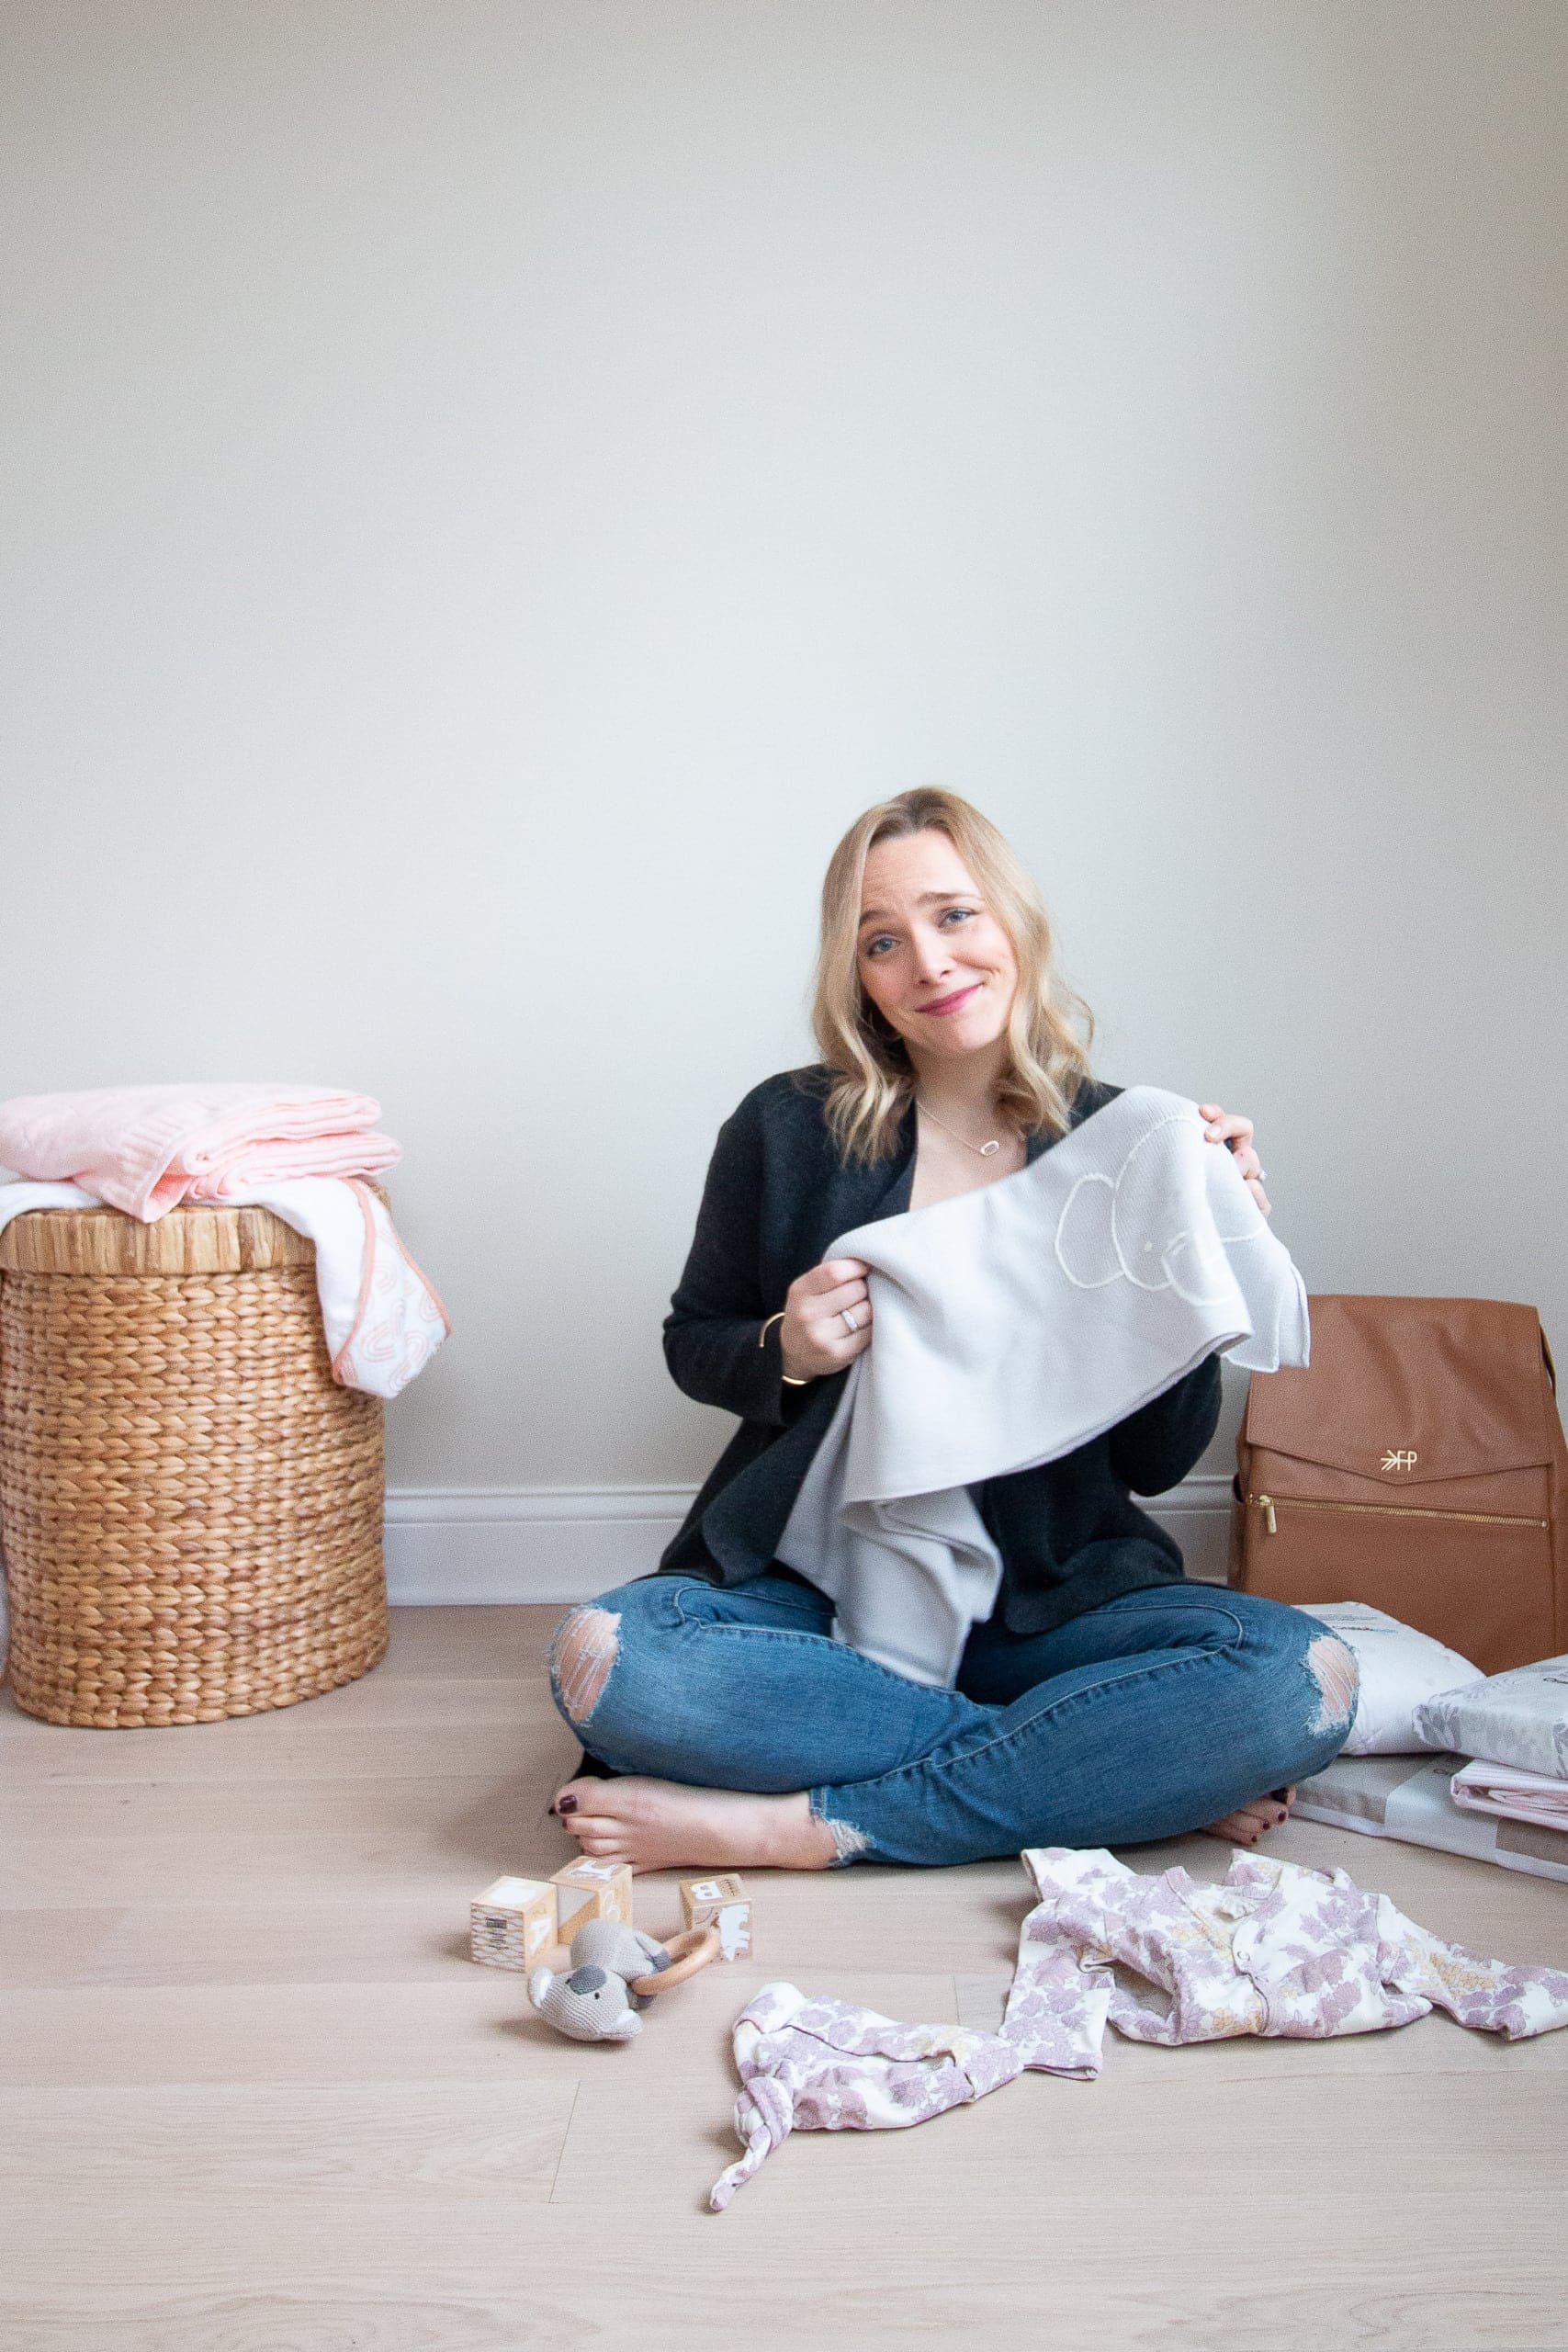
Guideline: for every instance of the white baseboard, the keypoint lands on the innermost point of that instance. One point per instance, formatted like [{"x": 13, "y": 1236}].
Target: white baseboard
[{"x": 479, "y": 1544}]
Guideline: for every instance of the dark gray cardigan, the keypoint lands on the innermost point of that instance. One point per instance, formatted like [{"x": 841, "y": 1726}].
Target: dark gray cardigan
[{"x": 777, "y": 1196}]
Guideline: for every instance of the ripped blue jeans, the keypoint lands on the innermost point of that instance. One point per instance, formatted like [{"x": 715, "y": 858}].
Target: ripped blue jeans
[{"x": 1157, "y": 1713}]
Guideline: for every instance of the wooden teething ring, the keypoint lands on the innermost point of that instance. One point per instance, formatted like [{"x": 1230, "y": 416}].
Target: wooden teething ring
[{"x": 690, "y": 1951}]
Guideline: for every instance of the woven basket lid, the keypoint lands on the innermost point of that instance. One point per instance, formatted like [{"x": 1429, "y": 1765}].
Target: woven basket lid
[{"x": 205, "y": 1240}]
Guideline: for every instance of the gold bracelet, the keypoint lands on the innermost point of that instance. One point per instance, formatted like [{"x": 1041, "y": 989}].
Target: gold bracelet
[{"x": 787, "y": 1377}]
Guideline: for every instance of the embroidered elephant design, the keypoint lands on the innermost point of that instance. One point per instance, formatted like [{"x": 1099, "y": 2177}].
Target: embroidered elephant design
[{"x": 1128, "y": 1227}]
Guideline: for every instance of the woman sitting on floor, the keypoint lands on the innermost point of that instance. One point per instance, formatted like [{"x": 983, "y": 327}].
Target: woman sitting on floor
[{"x": 1107, "y": 1700}]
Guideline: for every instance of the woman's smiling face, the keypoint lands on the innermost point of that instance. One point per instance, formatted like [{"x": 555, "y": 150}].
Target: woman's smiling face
[{"x": 933, "y": 958}]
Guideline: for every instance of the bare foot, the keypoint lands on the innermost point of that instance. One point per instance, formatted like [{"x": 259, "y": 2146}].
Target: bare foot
[
  {"x": 662, "y": 1825},
  {"x": 1246, "y": 1825}
]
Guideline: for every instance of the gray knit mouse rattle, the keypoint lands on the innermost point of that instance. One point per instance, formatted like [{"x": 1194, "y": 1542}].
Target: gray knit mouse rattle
[{"x": 616, "y": 1970}]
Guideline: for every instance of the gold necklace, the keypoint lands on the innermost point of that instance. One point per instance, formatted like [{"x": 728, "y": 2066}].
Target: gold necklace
[{"x": 981, "y": 1150}]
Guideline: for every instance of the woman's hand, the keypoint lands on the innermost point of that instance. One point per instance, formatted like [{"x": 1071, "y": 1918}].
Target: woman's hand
[
  {"x": 814, "y": 1337},
  {"x": 1226, "y": 1128}
]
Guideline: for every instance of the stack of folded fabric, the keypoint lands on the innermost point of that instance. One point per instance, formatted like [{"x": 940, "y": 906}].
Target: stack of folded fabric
[
  {"x": 1515, "y": 1727},
  {"x": 1442, "y": 1755},
  {"x": 303, "y": 1152},
  {"x": 1412, "y": 1798},
  {"x": 147, "y": 1148},
  {"x": 1512, "y": 1796}
]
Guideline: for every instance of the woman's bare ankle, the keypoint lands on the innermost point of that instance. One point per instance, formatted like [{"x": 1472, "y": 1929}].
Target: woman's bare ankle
[{"x": 806, "y": 1841}]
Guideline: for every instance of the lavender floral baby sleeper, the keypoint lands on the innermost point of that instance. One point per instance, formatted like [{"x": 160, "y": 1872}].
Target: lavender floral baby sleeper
[{"x": 1275, "y": 1950}]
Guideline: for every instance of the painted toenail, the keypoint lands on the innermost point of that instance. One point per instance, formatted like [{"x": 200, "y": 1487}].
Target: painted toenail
[{"x": 566, "y": 1804}]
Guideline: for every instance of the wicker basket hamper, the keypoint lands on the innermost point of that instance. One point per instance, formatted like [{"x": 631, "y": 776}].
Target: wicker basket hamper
[{"x": 190, "y": 1505}]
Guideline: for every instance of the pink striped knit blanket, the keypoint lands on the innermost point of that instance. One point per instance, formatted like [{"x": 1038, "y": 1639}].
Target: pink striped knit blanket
[{"x": 147, "y": 1148}]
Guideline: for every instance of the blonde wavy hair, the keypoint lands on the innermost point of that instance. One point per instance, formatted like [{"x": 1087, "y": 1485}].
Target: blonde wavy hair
[{"x": 870, "y": 1081}]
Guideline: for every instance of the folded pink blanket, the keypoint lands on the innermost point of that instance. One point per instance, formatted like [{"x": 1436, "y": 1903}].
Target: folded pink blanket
[
  {"x": 1538, "y": 1797},
  {"x": 147, "y": 1148}
]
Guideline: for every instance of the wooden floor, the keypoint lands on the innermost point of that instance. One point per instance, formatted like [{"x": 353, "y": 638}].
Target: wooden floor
[{"x": 256, "y": 2096}]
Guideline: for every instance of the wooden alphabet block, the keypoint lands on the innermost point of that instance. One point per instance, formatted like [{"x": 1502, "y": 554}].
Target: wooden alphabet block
[
  {"x": 513, "y": 1923},
  {"x": 723, "y": 1901},
  {"x": 590, "y": 1890}
]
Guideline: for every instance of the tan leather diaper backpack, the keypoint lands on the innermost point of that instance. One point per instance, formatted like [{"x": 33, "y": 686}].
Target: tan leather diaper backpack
[{"x": 1417, "y": 1463}]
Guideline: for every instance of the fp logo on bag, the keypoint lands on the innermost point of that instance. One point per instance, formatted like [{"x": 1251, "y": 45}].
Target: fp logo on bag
[{"x": 1400, "y": 1458}]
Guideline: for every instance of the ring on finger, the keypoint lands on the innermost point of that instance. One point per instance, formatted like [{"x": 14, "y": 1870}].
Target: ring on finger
[{"x": 850, "y": 1318}]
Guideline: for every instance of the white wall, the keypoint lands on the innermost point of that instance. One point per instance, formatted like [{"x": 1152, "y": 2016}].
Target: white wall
[{"x": 494, "y": 489}]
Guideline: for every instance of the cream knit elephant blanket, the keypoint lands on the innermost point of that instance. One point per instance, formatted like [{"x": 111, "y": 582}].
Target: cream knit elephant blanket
[{"x": 1011, "y": 1326}]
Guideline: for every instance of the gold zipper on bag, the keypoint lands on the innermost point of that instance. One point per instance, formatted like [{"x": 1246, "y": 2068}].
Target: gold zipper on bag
[{"x": 1267, "y": 1504}]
